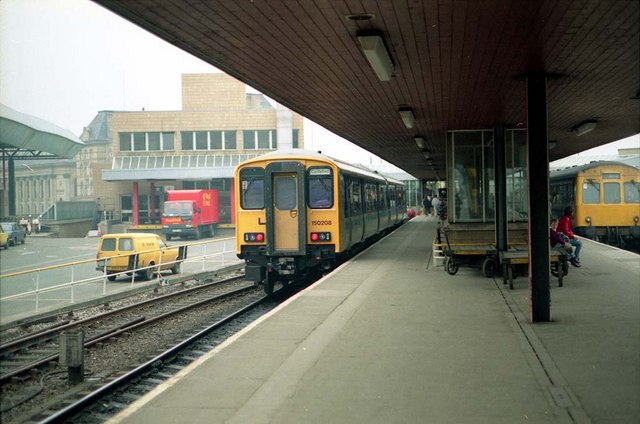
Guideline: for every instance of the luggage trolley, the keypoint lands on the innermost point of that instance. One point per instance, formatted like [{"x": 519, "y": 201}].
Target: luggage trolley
[{"x": 471, "y": 254}]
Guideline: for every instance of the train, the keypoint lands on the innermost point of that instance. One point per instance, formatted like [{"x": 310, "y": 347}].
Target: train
[
  {"x": 299, "y": 211},
  {"x": 605, "y": 196}
]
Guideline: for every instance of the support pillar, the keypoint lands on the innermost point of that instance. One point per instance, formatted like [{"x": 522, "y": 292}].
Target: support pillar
[
  {"x": 12, "y": 187},
  {"x": 135, "y": 203},
  {"x": 152, "y": 202},
  {"x": 538, "y": 190},
  {"x": 500, "y": 167}
]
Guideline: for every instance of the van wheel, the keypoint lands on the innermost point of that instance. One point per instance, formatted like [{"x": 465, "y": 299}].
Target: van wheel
[
  {"x": 111, "y": 277},
  {"x": 147, "y": 274},
  {"x": 177, "y": 268}
]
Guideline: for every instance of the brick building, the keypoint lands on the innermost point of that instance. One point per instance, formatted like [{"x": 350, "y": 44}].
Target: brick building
[{"x": 132, "y": 158}]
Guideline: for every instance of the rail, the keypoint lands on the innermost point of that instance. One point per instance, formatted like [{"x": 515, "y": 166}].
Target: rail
[{"x": 56, "y": 286}]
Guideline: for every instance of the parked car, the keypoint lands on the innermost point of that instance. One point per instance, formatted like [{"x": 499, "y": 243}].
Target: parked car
[
  {"x": 15, "y": 233},
  {"x": 144, "y": 253},
  {"x": 4, "y": 238}
]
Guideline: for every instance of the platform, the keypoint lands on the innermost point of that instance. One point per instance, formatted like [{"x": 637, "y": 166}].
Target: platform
[{"x": 388, "y": 338}]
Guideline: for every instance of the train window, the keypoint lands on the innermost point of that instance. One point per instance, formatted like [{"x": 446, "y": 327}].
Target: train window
[
  {"x": 611, "y": 193},
  {"x": 610, "y": 176},
  {"x": 320, "y": 182},
  {"x": 355, "y": 190},
  {"x": 631, "y": 192},
  {"x": 286, "y": 193},
  {"x": 590, "y": 193},
  {"x": 252, "y": 188}
]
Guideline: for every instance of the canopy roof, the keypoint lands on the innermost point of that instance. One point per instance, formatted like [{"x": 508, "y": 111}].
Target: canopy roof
[{"x": 25, "y": 137}]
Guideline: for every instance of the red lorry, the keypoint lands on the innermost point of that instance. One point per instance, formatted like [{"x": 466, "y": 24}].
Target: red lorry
[{"x": 190, "y": 213}]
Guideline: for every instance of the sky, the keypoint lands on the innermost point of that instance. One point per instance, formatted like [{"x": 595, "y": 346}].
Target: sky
[{"x": 65, "y": 60}]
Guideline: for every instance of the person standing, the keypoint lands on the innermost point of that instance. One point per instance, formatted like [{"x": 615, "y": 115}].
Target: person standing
[
  {"x": 426, "y": 204},
  {"x": 436, "y": 206},
  {"x": 564, "y": 227}
]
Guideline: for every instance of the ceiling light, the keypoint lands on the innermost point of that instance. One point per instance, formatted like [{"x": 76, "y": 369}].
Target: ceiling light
[
  {"x": 552, "y": 144},
  {"x": 426, "y": 154},
  {"x": 408, "y": 117},
  {"x": 584, "y": 127},
  {"x": 376, "y": 53},
  {"x": 420, "y": 142}
]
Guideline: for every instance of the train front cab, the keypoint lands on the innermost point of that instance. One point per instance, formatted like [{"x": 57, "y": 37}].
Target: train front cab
[{"x": 272, "y": 230}]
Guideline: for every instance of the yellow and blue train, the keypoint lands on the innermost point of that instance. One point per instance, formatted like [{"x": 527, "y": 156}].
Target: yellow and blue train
[
  {"x": 605, "y": 197},
  {"x": 299, "y": 211}
]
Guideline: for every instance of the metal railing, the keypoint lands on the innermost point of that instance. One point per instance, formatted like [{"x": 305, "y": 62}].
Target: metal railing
[{"x": 37, "y": 290}]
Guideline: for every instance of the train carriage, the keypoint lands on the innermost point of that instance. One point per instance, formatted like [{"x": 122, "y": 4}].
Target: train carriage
[
  {"x": 605, "y": 197},
  {"x": 298, "y": 211}
]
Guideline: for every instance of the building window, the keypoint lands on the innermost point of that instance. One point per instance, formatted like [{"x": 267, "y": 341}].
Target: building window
[
  {"x": 216, "y": 140},
  {"x": 229, "y": 140},
  {"x": 294, "y": 140},
  {"x": 201, "y": 140},
  {"x": 146, "y": 141},
  {"x": 125, "y": 142},
  {"x": 208, "y": 140},
  {"x": 259, "y": 139},
  {"x": 154, "y": 140}
]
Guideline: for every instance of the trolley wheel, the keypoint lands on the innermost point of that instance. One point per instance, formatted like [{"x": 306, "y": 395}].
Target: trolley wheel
[
  {"x": 450, "y": 266},
  {"x": 489, "y": 267},
  {"x": 510, "y": 276}
]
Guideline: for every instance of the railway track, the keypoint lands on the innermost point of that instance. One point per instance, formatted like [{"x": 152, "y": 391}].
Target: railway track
[
  {"x": 104, "y": 402},
  {"x": 99, "y": 401},
  {"x": 23, "y": 354}
]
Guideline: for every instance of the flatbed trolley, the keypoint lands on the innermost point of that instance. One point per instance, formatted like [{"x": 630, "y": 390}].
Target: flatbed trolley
[
  {"x": 510, "y": 259},
  {"x": 472, "y": 254}
]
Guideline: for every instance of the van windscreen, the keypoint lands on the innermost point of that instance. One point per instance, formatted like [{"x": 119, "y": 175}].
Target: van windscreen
[{"x": 109, "y": 245}]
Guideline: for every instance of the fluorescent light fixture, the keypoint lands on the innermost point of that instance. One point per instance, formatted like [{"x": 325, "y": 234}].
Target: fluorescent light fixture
[
  {"x": 420, "y": 142},
  {"x": 584, "y": 127},
  {"x": 426, "y": 154},
  {"x": 552, "y": 144},
  {"x": 407, "y": 116},
  {"x": 376, "y": 53}
]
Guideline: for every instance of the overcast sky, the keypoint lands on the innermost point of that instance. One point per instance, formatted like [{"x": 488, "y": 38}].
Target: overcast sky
[{"x": 65, "y": 60}]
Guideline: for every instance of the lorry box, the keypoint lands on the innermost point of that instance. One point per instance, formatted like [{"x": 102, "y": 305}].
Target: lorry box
[{"x": 190, "y": 213}]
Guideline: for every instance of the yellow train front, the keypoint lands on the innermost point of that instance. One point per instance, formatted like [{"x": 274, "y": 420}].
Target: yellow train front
[
  {"x": 605, "y": 197},
  {"x": 299, "y": 211}
]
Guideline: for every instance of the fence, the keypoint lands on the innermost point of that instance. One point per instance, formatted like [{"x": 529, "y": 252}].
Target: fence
[{"x": 27, "y": 293}]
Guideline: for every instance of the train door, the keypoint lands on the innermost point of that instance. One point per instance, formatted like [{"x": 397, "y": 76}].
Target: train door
[
  {"x": 286, "y": 210},
  {"x": 357, "y": 210}
]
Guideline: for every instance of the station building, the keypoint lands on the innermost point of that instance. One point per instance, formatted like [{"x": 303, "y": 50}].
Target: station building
[{"x": 131, "y": 159}]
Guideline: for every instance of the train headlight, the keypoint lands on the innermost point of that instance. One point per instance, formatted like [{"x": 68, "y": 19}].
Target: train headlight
[
  {"x": 636, "y": 219},
  {"x": 320, "y": 236},
  {"x": 254, "y": 237},
  {"x": 588, "y": 219}
]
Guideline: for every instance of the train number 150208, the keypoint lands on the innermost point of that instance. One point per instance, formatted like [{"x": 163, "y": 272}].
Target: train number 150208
[{"x": 321, "y": 222}]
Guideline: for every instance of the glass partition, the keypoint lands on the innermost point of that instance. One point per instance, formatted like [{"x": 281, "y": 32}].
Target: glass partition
[{"x": 471, "y": 176}]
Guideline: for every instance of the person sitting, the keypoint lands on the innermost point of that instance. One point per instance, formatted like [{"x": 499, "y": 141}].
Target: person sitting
[
  {"x": 564, "y": 226},
  {"x": 558, "y": 239}
]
